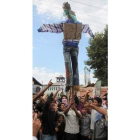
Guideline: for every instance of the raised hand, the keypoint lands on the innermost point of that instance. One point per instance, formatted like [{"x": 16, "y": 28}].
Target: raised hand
[
  {"x": 86, "y": 105},
  {"x": 73, "y": 106},
  {"x": 50, "y": 83},
  {"x": 59, "y": 89}
]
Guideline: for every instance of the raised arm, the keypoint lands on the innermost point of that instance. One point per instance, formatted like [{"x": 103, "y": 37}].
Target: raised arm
[
  {"x": 86, "y": 29},
  {"x": 42, "y": 91},
  {"x": 55, "y": 94},
  {"x": 67, "y": 109},
  {"x": 85, "y": 99},
  {"x": 76, "y": 112},
  {"x": 99, "y": 109},
  {"x": 53, "y": 28}
]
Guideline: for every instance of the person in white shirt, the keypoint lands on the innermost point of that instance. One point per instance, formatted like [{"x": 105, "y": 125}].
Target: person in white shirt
[{"x": 72, "y": 116}]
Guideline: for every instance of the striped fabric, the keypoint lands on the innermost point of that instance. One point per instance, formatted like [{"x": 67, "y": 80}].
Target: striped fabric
[
  {"x": 58, "y": 28},
  {"x": 53, "y": 28}
]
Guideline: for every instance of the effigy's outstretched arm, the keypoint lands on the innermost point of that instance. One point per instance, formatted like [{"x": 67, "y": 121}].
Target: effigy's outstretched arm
[
  {"x": 86, "y": 29},
  {"x": 53, "y": 28}
]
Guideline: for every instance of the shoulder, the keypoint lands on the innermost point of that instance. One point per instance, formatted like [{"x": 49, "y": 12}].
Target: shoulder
[
  {"x": 79, "y": 22},
  {"x": 78, "y": 111},
  {"x": 65, "y": 21},
  {"x": 89, "y": 116}
]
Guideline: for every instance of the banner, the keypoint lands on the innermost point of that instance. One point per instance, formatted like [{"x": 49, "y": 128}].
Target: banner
[{"x": 98, "y": 88}]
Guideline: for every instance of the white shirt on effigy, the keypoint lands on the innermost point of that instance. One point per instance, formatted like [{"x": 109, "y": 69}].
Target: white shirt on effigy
[{"x": 72, "y": 122}]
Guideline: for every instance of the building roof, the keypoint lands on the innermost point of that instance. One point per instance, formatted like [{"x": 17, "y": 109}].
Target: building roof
[
  {"x": 56, "y": 84},
  {"x": 60, "y": 76},
  {"x": 36, "y": 82}
]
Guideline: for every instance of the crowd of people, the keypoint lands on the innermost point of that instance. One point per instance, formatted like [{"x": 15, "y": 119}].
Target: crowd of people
[{"x": 69, "y": 117}]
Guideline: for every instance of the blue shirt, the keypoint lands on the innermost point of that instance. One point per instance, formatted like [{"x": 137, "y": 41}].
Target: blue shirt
[{"x": 98, "y": 116}]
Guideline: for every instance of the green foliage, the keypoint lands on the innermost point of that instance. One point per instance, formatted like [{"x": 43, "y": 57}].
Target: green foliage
[{"x": 98, "y": 56}]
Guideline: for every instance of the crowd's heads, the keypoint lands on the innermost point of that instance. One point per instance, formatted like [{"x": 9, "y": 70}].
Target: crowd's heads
[
  {"x": 82, "y": 99},
  {"x": 83, "y": 111},
  {"x": 90, "y": 101},
  {"x": 39, "y": 107},
  {"x": 62, "y": 106},
  {"x": 97, "y": 101},
  {"x": 52, "y": 104},
  {"x": 64, "y": 100},
  {"x": 60, "y": 118},
  {"x": 64, "y": 97}
]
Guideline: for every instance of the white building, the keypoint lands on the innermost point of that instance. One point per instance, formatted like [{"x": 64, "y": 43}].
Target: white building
[{"x": 60, "y": 83}]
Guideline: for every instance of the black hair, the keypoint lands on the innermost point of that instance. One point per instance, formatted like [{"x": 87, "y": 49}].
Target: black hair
[
  {"x": 59, "y": 116},
  {"x": 62, "y": 97},
  {"x": 76, "y": 100},
  {"x": 59, "y": 105},
  {"x": 98, "y": 99},
  {"x": 90, "y": 99},
  {"x": 83, "y": 107},
  {"x": 39, "y": 107}
]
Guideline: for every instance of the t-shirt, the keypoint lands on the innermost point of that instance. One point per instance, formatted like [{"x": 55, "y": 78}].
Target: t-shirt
[
  {"x": 48, "y": 118},
  {"x": 98, "y": 116},
  {"x": 72, "y": 122},
  {"x": 85, "y": 125}
]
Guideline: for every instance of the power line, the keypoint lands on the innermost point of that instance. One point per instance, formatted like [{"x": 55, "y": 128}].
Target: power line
[
  {"x": 48, "y": 5},
  {"x": 76, "y": 12},
  {"x": 90, "y": 26},
  {"x": 46, "y": 19},
  {"x": 79, "y": 18},
  {"x": 82, "y": 19},
  {"x": 88, "y": 5},
  {"x": 91, "y": 16},
  {"x": 91, "y": 21}
]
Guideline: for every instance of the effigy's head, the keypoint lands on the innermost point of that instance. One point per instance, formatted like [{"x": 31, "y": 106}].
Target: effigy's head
[
  {"x": 68, "y": 12},
  {"x": 66, "y": 6}
]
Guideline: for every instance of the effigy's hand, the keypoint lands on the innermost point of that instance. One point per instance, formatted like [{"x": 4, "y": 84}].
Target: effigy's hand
[{"x": 39, "y": 30}]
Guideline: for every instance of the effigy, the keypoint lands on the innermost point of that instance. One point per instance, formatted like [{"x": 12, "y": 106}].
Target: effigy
[{"x": 72, "y": 31}]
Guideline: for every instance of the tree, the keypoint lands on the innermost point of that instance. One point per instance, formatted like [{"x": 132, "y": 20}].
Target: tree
[{"x": 98, "y": 56}]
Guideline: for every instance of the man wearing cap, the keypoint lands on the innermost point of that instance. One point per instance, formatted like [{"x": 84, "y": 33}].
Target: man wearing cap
[{"x": 70, "y": 46}]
